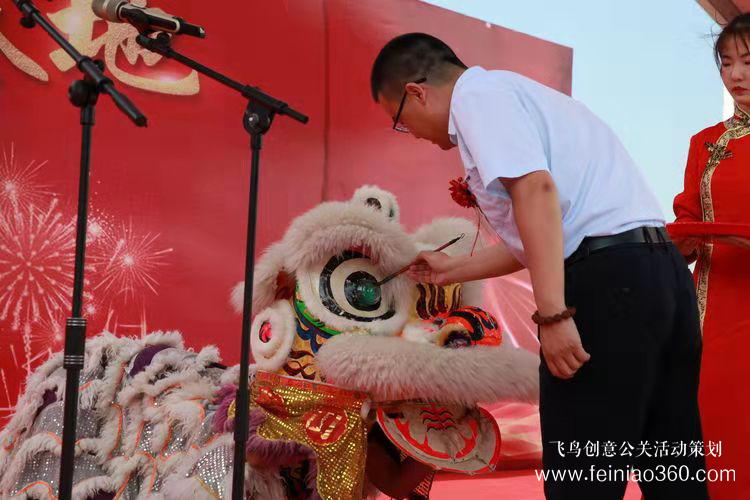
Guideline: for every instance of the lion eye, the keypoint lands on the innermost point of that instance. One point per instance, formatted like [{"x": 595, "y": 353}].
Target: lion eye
[{"x": 349, "y": 288}]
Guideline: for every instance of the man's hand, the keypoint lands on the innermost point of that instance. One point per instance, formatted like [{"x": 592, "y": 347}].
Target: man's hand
[
  {"x": 562, "y": 348},
  {"x": 432, "y": 267}
]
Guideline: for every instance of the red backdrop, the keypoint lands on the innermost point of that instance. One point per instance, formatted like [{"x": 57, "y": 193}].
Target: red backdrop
[{"x": 168, "y": 203}]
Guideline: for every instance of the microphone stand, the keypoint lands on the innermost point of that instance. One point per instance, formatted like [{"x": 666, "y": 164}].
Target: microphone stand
[
  {"x": 259, "y": 114},
  {"x": 82, "y": 94}
]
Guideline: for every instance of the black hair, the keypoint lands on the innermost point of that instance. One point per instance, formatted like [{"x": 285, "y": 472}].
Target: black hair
[
  {"x": 409, "y": 57},
  {"x": 738, "y": 28}
]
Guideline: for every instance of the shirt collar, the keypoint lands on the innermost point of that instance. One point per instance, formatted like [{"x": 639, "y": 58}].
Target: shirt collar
[{"x": 466, "y": 76}]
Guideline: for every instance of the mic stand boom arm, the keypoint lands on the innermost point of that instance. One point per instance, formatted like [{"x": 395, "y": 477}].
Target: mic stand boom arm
[{"x": 259, "y": 114}]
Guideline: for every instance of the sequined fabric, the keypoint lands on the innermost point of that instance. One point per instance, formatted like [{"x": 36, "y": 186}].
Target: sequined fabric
[
  {"x": 136, "y": 443},
  {"x": 322, "y": 417},
  {"x": 212, "y": 468}
]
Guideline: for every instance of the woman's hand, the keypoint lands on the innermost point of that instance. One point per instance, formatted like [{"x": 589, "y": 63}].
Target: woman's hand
[{"x": 433, "y": 267}]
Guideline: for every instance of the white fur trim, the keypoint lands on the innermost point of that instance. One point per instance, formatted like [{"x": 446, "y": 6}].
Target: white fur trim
[
  {"x": 270, "y": 355},
  {"x": 232, "y": 374},
  {"x": 171, "y": 338},
  {"x": 38, "y": 383},
  {"x": 87, "y": 488},
  {"x": 393, "y": 369},
  {"x": 332, "y": 227},
  {"x": 265, "y": 273},
  {"x": 237, "y": 296},
  {"x": 185, "y": 412},
  {"x": 261, "y": 484},
  {"x": 206, "y": 356},
  {"x": 35, "y": 445},
  {"x": 184, "y": 394},
  {"x": 20, "y": 425},
  {"x": 420, "y": 331},
  {"x": 179, "y": 360},
  {"x": 388, "y": 203}
]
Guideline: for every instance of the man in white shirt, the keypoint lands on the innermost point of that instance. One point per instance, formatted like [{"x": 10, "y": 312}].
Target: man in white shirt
[{"x": 617, "y": 315}]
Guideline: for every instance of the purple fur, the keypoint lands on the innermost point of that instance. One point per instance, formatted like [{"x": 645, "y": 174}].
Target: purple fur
[
  {"x": 48, "y": 398},
  {"x": 144, "y": 358},
  {"x": 225, "y": 397},
  {"x": 312, "y": 479},
  {"x": 273, "y": 453},
  {"x": 102, "y": 495}
]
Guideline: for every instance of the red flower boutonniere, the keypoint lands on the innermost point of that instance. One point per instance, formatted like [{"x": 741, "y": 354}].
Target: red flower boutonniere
[{"x": 461, "y": 193}]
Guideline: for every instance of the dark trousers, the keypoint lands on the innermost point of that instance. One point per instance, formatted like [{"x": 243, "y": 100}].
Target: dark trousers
[{"x": 638, "y": 394}]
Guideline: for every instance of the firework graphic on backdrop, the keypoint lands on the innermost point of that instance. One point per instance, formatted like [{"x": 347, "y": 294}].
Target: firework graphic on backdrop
[
  {"x": 5, "y": 392},
  {"x": 47, "y": 335},
  {"x": 99, "y": 228},
  {"x": 36, "y": 268},
  {"x": 19, "y": 186},
  {"x": 126, "y": 263},
  {"x": 37, "y": 253}
]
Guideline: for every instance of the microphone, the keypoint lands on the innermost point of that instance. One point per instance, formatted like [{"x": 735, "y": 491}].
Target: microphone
[{"x": 120, "y": 11}]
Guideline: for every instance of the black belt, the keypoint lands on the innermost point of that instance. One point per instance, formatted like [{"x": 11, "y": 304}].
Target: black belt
[{"x": 645, "y": 235}]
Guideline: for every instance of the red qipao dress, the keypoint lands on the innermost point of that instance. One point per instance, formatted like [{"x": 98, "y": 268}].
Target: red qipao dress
[{"x": 717, "y": 189}]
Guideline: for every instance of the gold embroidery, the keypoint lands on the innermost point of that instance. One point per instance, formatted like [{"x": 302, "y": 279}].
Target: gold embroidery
[
  {"x": 740, "y": 118},
  {"x": 738, "y": 126},
  {"x": 720, "y": 151}
]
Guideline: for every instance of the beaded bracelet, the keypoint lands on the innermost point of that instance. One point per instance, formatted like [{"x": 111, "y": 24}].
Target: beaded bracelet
[{"x": 548, "y": 320}]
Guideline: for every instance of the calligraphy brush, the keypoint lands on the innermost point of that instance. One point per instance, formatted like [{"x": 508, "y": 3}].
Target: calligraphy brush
[{"x": 406, "y": 268}]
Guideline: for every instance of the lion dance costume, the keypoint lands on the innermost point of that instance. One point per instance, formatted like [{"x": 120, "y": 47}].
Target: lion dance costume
[{"x": 335, "y": 352}]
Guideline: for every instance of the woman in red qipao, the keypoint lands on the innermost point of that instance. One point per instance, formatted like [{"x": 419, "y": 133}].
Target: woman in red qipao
[{"x": 717, "y": 194}]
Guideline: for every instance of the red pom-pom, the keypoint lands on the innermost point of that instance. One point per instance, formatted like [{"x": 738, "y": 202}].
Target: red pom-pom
[{"x": 461, "y": 193}]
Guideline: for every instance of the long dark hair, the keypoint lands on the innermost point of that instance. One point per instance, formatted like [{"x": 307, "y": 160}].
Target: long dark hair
[{"x": 738, "y": 29}]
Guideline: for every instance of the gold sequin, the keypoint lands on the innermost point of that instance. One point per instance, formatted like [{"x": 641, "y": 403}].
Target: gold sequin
[
  {"x": 322, "y": 417},
  {"x": 231, "y": 410}
]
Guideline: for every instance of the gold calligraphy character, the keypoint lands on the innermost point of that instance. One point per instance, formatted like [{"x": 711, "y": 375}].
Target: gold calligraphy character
[
  {"x": 77, "y": 21},
  {"x": 21, "y": 60}
]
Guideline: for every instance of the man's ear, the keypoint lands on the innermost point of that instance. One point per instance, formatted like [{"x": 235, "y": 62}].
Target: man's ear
[{"x": 418, "y": 92}]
